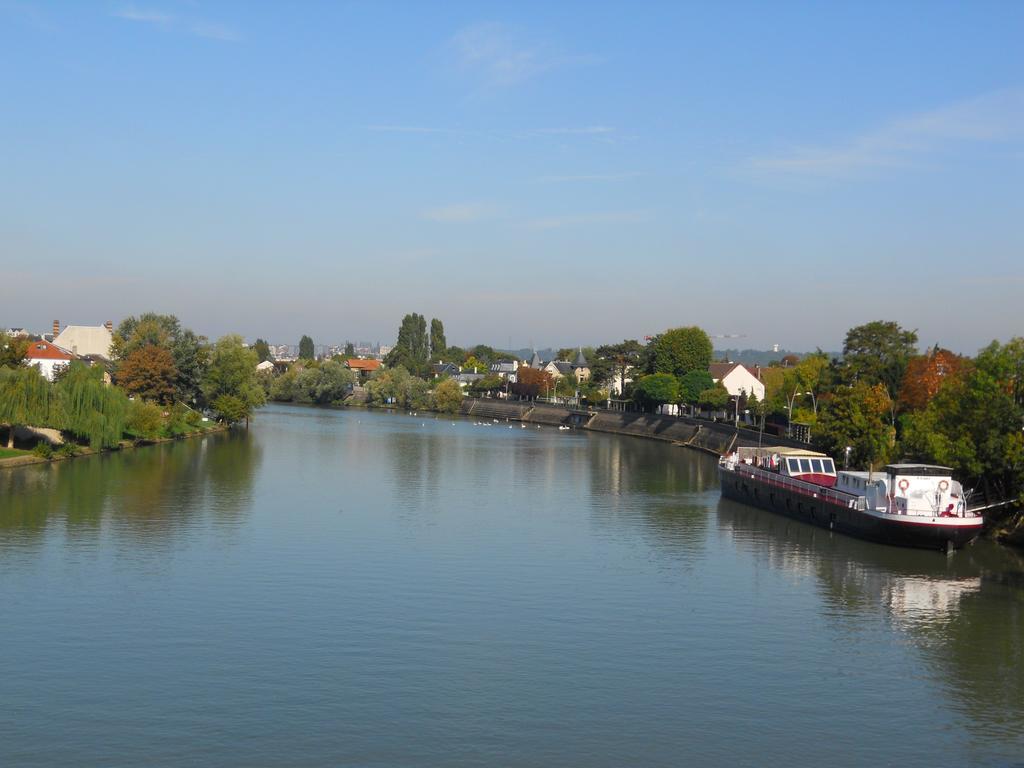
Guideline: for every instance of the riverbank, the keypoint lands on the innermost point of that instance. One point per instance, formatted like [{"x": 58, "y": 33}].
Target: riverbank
[
  {"x": 28, "y": 458},
  {"x": 711, "y": 437}
]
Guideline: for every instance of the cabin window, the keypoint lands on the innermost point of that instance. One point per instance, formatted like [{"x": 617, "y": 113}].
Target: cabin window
[
  {"x": 827, "y": 466},
  {"x": 816, "y": 464},
  {"x": 805, "y": 465},
  {"x": 793, "y": 466}
]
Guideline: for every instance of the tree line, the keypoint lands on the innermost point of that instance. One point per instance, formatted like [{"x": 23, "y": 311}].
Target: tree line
[{"x": 159, "y": 380}]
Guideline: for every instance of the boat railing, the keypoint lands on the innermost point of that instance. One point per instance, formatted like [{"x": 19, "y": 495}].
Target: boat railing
[{"x": 792, "y": 483}]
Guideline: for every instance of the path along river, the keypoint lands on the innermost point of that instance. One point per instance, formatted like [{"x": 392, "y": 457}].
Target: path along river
[{"x": 371, "y": 589}]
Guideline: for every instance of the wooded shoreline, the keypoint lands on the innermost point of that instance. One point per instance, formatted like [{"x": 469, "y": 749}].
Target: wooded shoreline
[{"x": 30, "y": 459}]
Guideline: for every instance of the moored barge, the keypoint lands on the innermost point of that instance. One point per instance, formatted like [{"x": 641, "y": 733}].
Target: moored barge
[{"x": 910, "y": 505}]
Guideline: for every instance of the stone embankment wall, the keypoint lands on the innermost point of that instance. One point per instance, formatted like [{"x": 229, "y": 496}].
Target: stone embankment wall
[{"x": 707, "y": 436}]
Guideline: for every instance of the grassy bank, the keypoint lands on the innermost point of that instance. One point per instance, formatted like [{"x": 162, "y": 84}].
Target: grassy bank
[{"x": 18, "y": 458}]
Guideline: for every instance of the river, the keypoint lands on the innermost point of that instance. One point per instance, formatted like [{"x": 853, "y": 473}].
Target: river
[{"x": 371, "y": 589}]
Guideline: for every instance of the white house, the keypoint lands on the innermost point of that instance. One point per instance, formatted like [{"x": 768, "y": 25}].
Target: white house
[
  {"x": 266, "y": 365},
  {"x": 85, "y": 340},
  {"x": 737, "y": 379},
  {"x": 48, "y": 358}
]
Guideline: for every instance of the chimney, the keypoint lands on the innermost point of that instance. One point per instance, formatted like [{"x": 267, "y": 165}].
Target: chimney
[
  {"x": 56, "y": 328},
  {"x": 109, "y": 325}
]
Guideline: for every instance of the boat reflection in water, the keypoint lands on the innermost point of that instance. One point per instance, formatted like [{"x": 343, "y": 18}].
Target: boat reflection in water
[{"x": 964, "y": 614}]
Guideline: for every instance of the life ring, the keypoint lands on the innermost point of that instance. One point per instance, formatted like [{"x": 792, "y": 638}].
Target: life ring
[
  {"x": 904, "y": 484},
  {"x": 943, "y": 485}
]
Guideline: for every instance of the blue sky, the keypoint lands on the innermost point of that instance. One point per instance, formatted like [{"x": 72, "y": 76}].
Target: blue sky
[{"x": 555, "y": 173}]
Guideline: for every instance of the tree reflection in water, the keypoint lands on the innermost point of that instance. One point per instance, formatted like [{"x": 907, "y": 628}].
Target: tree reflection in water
[{"x": 147, "y": 493}]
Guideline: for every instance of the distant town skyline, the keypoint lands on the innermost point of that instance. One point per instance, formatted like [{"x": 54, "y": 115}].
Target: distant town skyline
[{"x": 562, "y": 174}]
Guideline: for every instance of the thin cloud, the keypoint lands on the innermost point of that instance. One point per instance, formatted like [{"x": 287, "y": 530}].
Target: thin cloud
[
  {"x": 500, "y": 57},
  {"x": 604, "y": 217},
  {"x": 213, "y": 31},
  {"x": 145, "y": 15},
  {"x": 460, "y": 212},
  {"x": 992, "y": 117}
]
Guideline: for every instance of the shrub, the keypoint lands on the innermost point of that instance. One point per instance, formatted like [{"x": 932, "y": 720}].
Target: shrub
[
  {"x": 43, "y": 450},
  {"x": 230, "y": 408},
  {"x": 448, "y": 396},
  {"x": 67, "y": 450},
  {"x": 144, "y": 419}
]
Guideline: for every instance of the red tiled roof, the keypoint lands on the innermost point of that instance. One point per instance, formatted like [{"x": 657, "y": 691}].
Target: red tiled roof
[
  {"x": 44, "y": 350},
  {"x": 357, "y": 364}
]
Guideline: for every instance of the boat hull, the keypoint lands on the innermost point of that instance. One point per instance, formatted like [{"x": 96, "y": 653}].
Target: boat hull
[{"x": 930, "y": 533}]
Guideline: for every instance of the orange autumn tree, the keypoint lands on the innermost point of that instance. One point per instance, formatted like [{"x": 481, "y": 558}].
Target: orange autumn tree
[
  {"x": 148, "y": 372},
  {"x": 531, "y": 382},
  {"x": 925, "y": 375}
]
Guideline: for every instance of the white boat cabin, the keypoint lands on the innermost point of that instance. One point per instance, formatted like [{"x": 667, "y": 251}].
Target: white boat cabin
[
  {"x": 792, "y": 462},
  {"x": 923, "y": 490}
]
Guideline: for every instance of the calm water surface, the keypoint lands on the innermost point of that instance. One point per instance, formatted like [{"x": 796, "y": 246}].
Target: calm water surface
[{"x": 359, "y": 589}]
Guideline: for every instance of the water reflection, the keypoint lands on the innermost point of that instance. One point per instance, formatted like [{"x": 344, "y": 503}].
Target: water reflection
[
  {"x": 145, "y": 493},
  {"x": 964, "y": 613},
  {"x": 666, "y": 487}
]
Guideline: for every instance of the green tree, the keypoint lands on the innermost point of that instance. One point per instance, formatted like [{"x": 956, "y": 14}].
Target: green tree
[
  {"x": 232, "y": 372},
  {"x": 306, "y": 351},
  {"x": 190, "y": 351},
  {"x": 329, "y": 383},
  {"x": 974, "y": 422},
  {"x": 485, "y": 354},
  {"x": 12, "y": 350},
  {"x": 679, "y": 351},
  {"x": 412, "y": 349},
  {"x": 656, "y": 389},
  {"x": 613, "y": 361},
  {"x": 758, "y": 409},
  {"x": 90, "y": 409},
  {"x": 878, "y": 353},
  {"x": 491, "y": 382},
  {"x": 388, "y": 386},
  {"x": 475, "y": 365},
  {"x": 350, "y": 349},
  {"x": 715, "y": 397},
  {"x": 262, "y": 350},
  {"x": 448, "y": 396},
  {"x": 692, "y": 384},
  {"x": 25, "y": 398},
  {"x": 285, "y": 387},
  {"x": 438, "y": 343},
  {"x": 143, "y": 419},
  {"x": 859, "y": 417}
]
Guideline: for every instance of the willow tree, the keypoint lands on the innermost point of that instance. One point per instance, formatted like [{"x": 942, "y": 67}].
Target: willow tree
[
  {"x": 230, "y": 384},
  {"x": 91, "y": 409},
  {"x": 25, "y": 398}
]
